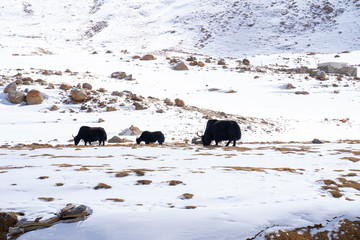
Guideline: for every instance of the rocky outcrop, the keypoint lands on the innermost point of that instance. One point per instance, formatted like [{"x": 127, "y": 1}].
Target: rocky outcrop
[
  {"x": 10, "y": 88},
  {"x": 338, "y": 67}
]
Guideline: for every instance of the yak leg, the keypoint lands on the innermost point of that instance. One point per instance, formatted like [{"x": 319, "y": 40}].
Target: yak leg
[
  {"x": 228, "y": 143},
  {"x": 217, "y": 143},
  {"x": 234, "y": 143}
]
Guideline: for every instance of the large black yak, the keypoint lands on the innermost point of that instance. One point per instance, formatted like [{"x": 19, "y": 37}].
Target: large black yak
[
  {"x": 221, "y": 130},
  {"x": 91, "y": 134},
  {"x": 151, "y": 137}
]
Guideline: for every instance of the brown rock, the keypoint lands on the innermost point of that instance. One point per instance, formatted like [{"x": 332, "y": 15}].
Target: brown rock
[
  {"x": 221, "y": 62},
  {"x": 65, "y": 86},
  {"x": 78, "y": 95},
  {"x": 110, "y": 109},
  {"x": 118, "y": 75},
  {"x": 16, "y": 97},
  {"x": 7, "y": 219},
  {"x": 115, "y": 139},
  {"x": 87, "y": 86},
  {"x": 289, "y": 86},
  {"x": 179, "y": 102},
  {"x": 180, "y": 66},
  {"x": 148, "y": 57},
  {"x": 138, "y": 106},
  {"x": 10, "y": 87},
  {"x": 168, "y": 102},
  {"x": 321, "y": 75},
  {"x": 200, "y": 64},
  {"x": 34, "y": 97},
  {"x": 54, "y": 108}
]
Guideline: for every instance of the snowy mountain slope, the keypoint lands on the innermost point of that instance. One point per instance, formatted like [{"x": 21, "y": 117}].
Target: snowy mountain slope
[{"x": 211, "y": 27}]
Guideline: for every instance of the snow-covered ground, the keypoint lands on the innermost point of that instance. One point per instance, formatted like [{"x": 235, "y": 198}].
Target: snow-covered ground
[{"x": 272, "y": 180}]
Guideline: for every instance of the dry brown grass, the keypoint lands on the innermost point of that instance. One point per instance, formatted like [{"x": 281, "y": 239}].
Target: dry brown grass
[
  {"x": 190, "y": 207},
  {"x": 353, "y": 159},
  {"x": 102, "y": 186},
  {"x": 348, "y": 230},
  {"x": 115, "y": 199},
  {"x": 187, "y": 196},
  {"x": 259, "y": 169},
  {"x": 143, "y": 182},
  {"x": 175, "y": 182},
  {"x": 46, "y": 199},
  {"x": 333, "y": 187}
]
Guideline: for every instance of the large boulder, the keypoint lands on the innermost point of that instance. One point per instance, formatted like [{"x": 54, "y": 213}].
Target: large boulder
[
  {"x": 147, "y": 57},
  {"x": 34, "y": 97},
  {"x": 78, "y": 95},
  {"x": 16, "y": 97},
  {"x": 180, "y": 66},
  {"x": 338, "y": 67},
  {"x": 10, "y": 87}
]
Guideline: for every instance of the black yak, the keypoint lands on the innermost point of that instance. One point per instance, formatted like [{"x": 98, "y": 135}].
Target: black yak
[
  {"x": 221, "y": 130},
  {"x": 91, "y": 134},
  {"x": 151, "y": 137}
]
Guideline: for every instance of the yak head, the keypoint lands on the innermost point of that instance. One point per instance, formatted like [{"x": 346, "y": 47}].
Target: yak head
[
  {"x": 76, "y": 140},
  {"x": 138, "y": 140},
  {"x": 205, "y": 139}
]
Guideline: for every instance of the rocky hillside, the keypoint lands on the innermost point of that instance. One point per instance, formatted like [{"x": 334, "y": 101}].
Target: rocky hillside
[{"x": 211, "y": 27}]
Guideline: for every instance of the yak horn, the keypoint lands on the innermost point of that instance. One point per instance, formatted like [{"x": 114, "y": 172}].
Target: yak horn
[
  {"x": 73, "y": 135},
  {"x": 197, "y": 133}
]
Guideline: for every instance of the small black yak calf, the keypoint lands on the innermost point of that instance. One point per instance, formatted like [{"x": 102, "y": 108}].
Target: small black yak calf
[
  {"x": 151, "y": 137},
  {"x": 221, "y": 130},
  {"x": 91, "y": 134}
]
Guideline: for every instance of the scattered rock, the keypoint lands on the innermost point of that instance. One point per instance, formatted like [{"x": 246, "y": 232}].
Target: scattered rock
[
  {"x": 321, "y": 75},
  {"x": 200, "y": 64},
  {"x": 116, "y": 139},
  {"x": 87, "y": 86},
  {"x": 221, "y": 62},
  {"x": 196, "y": 140},
  {"x": 317, "y": 141},
  {"x": 78, "y": 95},
  {"x": 147, "y": 57},
  {"x": 131, "y": 131},
  {"x": 168, "y": 102},
  {"x": 16, "y": 97},
  {"x": 289, "y": 86},
  {"x": 10, "y": 88},
  {"x": 54, "y": 108},
  {"x": 179, "y": 102},
  {"x": 111, "y": 109},
  {"x": 7, "y": 220},
  {"x": 338, "y": 67},
  {"x": 65, "y": 86},
  {"x": 34, "y": 97},
  {"x": 101, "y": 120},
  {"x": 118, "y": 75},
  {"x": 138, "y": 106},
  {"x": 246, "y": 62},
  {"x": 180, "y": 66},
  {"x": 50, "y": 86}
]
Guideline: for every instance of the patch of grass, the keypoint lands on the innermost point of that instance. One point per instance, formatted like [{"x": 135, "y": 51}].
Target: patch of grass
[
  {"x": 115, "y": 199},
  {"x": 143, "y": 182},
  {"x": 46, "y": 199},
  {"x": 190, "y": 207},
  {"x": 102, "y": 186},
  {"x": 175, "y": 182},
  {"x": 186, "y": 196},
  {"x": 347, "y": 230}
]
